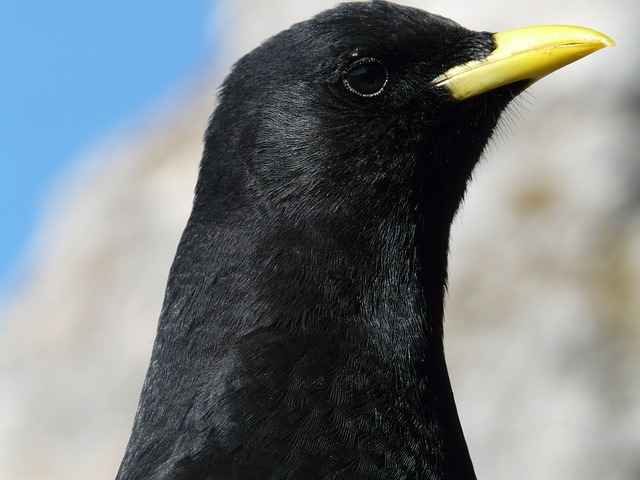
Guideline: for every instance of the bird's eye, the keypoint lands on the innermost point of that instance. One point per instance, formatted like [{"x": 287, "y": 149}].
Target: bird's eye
[{"x": 367, "y": 77}]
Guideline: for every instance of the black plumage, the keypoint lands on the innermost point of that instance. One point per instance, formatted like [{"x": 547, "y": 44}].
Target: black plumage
[{"x": 301, "y": 332}]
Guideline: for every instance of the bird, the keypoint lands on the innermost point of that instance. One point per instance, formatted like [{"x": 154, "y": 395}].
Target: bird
[{"x": 301, "y": 334}]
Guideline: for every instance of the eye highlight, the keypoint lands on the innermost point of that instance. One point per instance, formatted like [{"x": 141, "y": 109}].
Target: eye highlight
[{"x": 367, "y": 77}]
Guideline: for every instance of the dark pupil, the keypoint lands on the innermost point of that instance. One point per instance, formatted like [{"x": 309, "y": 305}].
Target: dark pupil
[{"x": 367, "y": 79}]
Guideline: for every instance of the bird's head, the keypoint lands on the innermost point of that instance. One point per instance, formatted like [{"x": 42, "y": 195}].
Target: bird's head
[{"x": 370, "y": 105}]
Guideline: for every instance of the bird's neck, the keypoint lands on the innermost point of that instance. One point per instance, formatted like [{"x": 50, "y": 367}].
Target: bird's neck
[
  {"x": 362, "y": 291},
  {"x": 404, "y": 324},
  {"x": 371, "y": 293}
]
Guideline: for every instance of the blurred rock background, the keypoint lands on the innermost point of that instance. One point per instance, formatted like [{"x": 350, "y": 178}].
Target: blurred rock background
[{"x": 543, "y": 311}]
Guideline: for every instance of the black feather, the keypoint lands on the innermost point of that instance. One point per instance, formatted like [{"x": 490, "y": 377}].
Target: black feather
[{"x": 301, "y": 333}]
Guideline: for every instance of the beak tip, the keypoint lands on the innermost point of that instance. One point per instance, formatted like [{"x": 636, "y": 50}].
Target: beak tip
[{"x": 599, "y": 38}]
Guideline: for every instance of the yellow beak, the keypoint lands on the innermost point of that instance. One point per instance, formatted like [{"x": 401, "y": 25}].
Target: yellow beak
[{"x": 523, "y": 54}]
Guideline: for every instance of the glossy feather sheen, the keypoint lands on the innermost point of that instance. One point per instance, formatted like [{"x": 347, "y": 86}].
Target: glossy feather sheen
[{"x": 301, "y": 333}]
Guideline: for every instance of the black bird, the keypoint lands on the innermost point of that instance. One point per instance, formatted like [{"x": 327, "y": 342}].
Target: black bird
[{"x": 301, "y": 332}]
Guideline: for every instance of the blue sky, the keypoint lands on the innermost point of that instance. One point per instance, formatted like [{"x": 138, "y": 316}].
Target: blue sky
[{"x": 70, "y": 71}]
